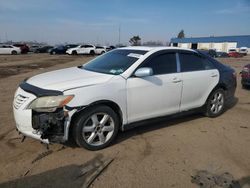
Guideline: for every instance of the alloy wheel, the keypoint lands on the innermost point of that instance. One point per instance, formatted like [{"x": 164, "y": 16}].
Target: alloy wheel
[
  {"x": 98, "y": 129},
  {"x": 217, "y": 103}
]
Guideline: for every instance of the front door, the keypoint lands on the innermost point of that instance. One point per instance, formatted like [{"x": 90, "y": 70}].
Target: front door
[{"x": 156, "y": 95}]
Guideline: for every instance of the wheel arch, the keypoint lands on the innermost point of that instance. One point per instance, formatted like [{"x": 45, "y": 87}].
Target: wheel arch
[
  {"x": 114, "y": 106},
  {"x": 218, "y": 86}
]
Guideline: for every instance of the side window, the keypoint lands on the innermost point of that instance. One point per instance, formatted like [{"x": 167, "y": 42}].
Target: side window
[
  {"x": 162, "y": 64},
  {"x": 192, "y": 62}
]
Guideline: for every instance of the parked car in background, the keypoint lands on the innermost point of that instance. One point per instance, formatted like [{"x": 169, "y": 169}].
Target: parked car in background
[
  {"x": 68, "y": 46},
  {"x": 222, "y": 54},
  {"x": 61, "y": 49},
  {"x": 243, "y": 50},
  {"x": 24, "y": 48},
  {"x": 100, "y": 50},
  {"x": 58, "y": 50},
  {"x": 82, "y": 49},
  {"x": 92, "y": 102},
  {"x": 210, "y": 52},
  {"x": 43, "y": 49},
  {"x": 235, "y": 54},
  {"x": 33, "y": 48},
  {"x": 9, "y": 49},
  {"x": 111, "y": 47},
  {"x": 245, "y": 76}
]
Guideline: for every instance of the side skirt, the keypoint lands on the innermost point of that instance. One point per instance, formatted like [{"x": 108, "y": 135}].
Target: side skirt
[{"x": 161, "y": 119}]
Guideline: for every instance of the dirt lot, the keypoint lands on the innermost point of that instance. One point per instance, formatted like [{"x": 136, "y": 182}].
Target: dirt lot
[{"x": 163, "y": 154}]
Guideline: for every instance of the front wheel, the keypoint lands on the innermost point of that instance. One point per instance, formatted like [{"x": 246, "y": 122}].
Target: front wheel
[
  {"x": 215, "y": 104},
  {"x": 96, "y": 128}
]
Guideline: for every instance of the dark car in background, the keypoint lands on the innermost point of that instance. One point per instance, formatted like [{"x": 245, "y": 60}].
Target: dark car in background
[
  {"x": 33, "y": 48},
  {"x": 211, "y": 52},
  {"x": 43, "y": 49},
  {"x": 61, "y": 49},
  {"x": 222, "y": 54},
  {"x": 245, "y": 76},
  {"x": 24, "y": 48}
]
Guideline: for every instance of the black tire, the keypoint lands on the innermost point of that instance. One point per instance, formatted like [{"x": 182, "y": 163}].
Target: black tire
[
  {"x": 74, "y": 52},
  {"x": 218, "y": 104},
  {"x": 102, "y": 52},
  {"x": 14, "y": 52},
  {"x": 92, "y": 52},
  {"x": 85, "y": 118}
]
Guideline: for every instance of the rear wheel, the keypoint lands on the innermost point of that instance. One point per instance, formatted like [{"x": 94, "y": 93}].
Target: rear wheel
[
  {"x": 96, "y": 128},
  {"x": 14, "y": 52},
  {"x": 215, "y": 104}
]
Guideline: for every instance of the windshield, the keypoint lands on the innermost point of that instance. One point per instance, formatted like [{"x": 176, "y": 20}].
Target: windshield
[{"x": 114, "y": 62}]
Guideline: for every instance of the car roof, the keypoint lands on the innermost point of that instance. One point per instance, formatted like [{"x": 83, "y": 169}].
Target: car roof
[{"x": 148, "y": 48}]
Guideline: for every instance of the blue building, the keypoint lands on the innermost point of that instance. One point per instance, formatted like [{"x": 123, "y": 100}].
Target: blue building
[{"x": 222, "y": 43}]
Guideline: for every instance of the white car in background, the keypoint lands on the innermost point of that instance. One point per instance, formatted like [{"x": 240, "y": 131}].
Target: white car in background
[
  {"x": 100, "y": 50},
  {"x": 243, "y": 50},
  {"x": 82, "y": 49},
  {"x": 9, "y": 49}
]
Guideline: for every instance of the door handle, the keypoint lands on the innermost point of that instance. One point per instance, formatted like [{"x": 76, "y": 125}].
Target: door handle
[
  {"x": 176, "y": 80},
  {"x": 214, "y": 75}
]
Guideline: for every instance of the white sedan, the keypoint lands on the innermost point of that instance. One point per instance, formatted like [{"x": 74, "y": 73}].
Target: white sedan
[
  {"x": 100, "y": 50},
  {"x": 90, "y": 103},
  {"x": 81, "y": 49},
  {"x": 9, "y": 49}
]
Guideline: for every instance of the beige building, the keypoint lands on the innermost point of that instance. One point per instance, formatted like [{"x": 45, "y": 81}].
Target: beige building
[{"x": 218, "y": 43}]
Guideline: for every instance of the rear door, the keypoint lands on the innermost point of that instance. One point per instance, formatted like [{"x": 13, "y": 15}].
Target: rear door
[
  {"x": 155, "y": 95},
  {"x": 199, "y": 78}
]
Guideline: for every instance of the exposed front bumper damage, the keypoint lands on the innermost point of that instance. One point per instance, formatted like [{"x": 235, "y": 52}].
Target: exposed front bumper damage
[{"x": 48, "y": 127}]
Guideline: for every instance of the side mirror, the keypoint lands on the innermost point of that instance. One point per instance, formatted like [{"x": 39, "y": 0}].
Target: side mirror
[{"x": 143, "y": 72}]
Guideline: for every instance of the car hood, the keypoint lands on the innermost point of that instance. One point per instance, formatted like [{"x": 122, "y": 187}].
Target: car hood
[{"x": 68, "y": 78}]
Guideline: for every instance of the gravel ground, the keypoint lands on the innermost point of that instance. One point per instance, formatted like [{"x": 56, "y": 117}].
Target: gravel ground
[{"x": 167, "y": 153}]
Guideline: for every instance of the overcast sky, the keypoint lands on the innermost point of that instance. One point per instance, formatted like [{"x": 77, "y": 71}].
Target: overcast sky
[{"x": 97, "y": 21}]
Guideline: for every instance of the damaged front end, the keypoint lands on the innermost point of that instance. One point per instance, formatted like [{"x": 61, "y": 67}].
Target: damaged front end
[
  {"x": 46, "y": 112},
  {"x": 51, "y": 125}
]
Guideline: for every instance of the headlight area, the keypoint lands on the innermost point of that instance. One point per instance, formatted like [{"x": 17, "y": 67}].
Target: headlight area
[{"x": 49, "y": 116}]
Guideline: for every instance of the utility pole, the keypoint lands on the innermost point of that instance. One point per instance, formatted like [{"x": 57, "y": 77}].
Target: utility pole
[
  {"x": 6, "y": 37},
  {"x": 119, "y": 35}
]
